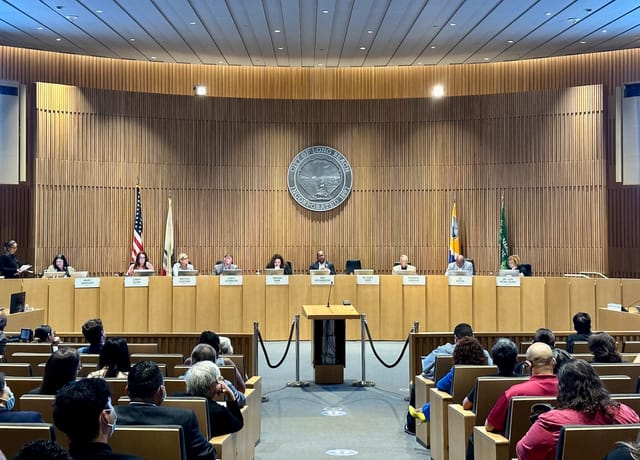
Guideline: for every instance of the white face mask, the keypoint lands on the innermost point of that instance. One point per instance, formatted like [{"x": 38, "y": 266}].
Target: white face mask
[
  {"x": 113, "y": 425},
  {"x": 11, "y": 399}
]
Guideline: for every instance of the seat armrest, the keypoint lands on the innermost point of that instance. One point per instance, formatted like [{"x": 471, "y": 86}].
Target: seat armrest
[
  {"x": 422, "y": 386},
  {"x": 461, "y": 424},
  {"x": 490, "y": 445},
  {"x": 439, "y": 428}
]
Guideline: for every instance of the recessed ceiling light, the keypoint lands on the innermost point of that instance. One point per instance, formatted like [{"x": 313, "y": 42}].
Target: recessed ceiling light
[
  {"x": 433, "y": 47},
  {"x": 98, "y": 11},
  {"x": 437, "y": 91},
  {"x": 154, "y": 57},
  {"x": 192, "y": 23},
  {"x": 369, "y": 31},
  {"x": 325, "y": 11},
  {"x": 362, "y": 48},
  {"x": 39, "y": 28},
  {"x": 71, "y": 17},
  {"x": 453, "y": 24},
  {"x": 419, "y": 63},
  {"x": 277, "y": 31},
  {"x": 132, "y": 39},
  {"x": 509, "y": 41},
  {"x": 548, "y": 13},
  {"x": 573, "y": 20},
  {"x": 486, "y": 59},
  {"x": 604, "y": 31},
  {"x": 58, "y": 39},
  {"x": 220, "y": 61},
  {"x": 582, "y": 42},
  {"x": 280, "y": 48},
  {"x": 319, "y": 64},
  {"x": 200, "y": 90}
]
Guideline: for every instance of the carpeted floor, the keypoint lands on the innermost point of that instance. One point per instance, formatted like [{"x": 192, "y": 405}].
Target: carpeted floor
[{"x": 306, "y": 423}]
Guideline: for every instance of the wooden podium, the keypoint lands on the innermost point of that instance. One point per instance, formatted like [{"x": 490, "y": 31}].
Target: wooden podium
[
  {"x": 28, "y": 320},
  {"x": 333, "y": 317}
]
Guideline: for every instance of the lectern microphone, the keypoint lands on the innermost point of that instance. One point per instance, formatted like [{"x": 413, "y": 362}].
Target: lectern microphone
[{"x": 329, "y": 296}]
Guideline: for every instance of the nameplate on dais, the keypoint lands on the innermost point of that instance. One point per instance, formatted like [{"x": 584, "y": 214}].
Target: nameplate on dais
[
  {"x": 276, "y": 280},
  {"x": 231, "y": 280},
  {"x": 136, "y": 281},
  {"x": 184, "y": 281},
  {"x": 372, "y": 280},
  {"x": 508, "y": 281},
  {"x": 413, "y": 280},
  {"x": 321, "y": 280},
  {"x": 83, "y": 283},
  {"x": 455, "y": 280}
]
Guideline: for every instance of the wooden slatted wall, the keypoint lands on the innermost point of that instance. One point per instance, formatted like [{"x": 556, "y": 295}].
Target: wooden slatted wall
[{"x": 226, "y": 160}]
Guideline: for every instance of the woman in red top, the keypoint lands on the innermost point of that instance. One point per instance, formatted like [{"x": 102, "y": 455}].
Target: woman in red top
[{"x": 582, "y": 400}]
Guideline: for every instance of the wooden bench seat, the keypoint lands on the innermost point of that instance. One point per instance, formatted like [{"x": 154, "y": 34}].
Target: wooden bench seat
[
  {"x": 583, "y": 442},
  {"x": 14, "y": 435}
]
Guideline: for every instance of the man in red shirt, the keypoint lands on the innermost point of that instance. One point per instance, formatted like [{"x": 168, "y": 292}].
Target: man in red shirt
[{"x": 542, "y": 382}]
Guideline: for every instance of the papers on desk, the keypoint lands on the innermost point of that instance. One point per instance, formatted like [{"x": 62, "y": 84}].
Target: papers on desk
[{"x": 24, "y": 268}]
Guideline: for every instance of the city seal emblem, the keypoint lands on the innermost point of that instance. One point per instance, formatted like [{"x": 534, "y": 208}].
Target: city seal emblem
[{"x": 320, "y": 178}]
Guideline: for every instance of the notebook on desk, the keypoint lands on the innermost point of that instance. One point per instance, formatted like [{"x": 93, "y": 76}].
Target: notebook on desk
[{"x": 53, "y": 274}]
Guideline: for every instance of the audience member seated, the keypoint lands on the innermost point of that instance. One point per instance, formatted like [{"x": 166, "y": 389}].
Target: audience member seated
[
  {"x": 181, "y": 264},
  {"x": 225, "y": 345},
  {"x": 403, "y": 266},
  {"x": 460, "y": 265},
  {"x": 62, "y": 367},
  {"x": 141, "y": 263},
  {"x": 60, "y": 264},
  {"x": 322, "y": 262},
  {"x": 93, "y": 332},
  {"x": 145, "y": 386},
  {"x": 204, "y": 379},
  {"x": 205, "y": 352},
  {"x": 514, "y": 263},
  {"x": 582, "y": 325},
  {"x": 114, "y": 359},
  {"x": 226, "y": 264},
  {"x": 467, "y": 351},
  {"x": 42, "y": 449},
  {"x": 543, "y": 382},
  {"x": 7, "y": 401},
  {"x": 83, "y": 411},
  {"x": 543, "y": 335},
  {"x": 505, "y": 357},
  {"x": 429, "y": 366},
  {"x": 582, "y": 400},
  {"x": 625, "y": 451},
  {"x": 277, "y": 261},
  {"x": 3, "y": 337},
  {"x": 561, "y": 358},
  {"x": 44, "y": 334},
  {"x": 213, "y": 339},
  {"x": 603, "y": 347}
]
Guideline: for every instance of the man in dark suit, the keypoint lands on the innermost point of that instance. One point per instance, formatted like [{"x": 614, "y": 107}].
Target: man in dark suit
[
  {"x": 7, "y": 400},
  {"x": 84, "y": 412},
  {"x": 322, "y": 262},
  {"x": 145, "y": 386}
]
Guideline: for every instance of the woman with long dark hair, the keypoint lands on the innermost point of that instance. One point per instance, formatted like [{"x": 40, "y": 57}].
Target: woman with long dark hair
[
  {"x": 141, "y": 263},
  {"x": 114, "y": 359},
  {"x": 582, "y": 400},
  {"x": 62, "y": 367},
  {"x": 60, "y": 264}
]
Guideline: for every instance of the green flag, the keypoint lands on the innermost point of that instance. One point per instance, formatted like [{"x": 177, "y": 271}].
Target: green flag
[{"x": 504, "y": 248}]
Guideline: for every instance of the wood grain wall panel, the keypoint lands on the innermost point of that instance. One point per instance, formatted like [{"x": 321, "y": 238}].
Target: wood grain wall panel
[{"x": 225, "y": 162}]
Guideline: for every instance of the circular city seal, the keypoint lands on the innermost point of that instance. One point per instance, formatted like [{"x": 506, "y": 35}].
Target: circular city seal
[{"x": 319, "y": 178}]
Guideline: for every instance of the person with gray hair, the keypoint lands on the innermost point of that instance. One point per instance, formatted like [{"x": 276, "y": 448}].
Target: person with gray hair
[
  {"x": 225, "y": 345},
  {"x": 205, "y": 352},
  {"x": 204, "y": 379}
]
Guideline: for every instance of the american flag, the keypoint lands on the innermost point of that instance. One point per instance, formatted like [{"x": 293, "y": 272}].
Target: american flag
[{"x": 137, "y": 246}]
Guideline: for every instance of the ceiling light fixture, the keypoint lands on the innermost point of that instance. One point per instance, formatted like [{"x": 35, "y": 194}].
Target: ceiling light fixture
[
  {"x": 433, "y": 47},
  {"x": 277, "y": 31},
  {"x": 325, "y": 11},
  {"x": 39, "y": 28},
  {"x": 582, "y": 42},
  {"x": 192, "y": 23},
  {"x": 362, "y": 48},
  {"x": 604, "y": 31},
  {"x": 509, "y": 41},
  {"x": 98, "y": 11},
  {"x": 453, "y": 24},
  {"x": 280, "y": 48},
  {"x": 437, "y": 91},
  {"x": 369, "y": 31},
  {"x": 132, "y": 39},
  {"x": 200, "y": 90},
  {"x": 154, "y": 57},
  {"x": 486, "y": 59},
  {"x": 548, "y": 13},
  {"x": 71, "y": 17},
  {"x": 58, "y": 39}
]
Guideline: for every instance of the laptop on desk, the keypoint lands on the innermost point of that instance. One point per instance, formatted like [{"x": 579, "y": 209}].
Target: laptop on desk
[
  {"x": 274, "y": 271},
  {"x": 363, "y": 271},
  {"x": 320, "y": 272},
  {"x": 231, "y": 272},
  {"x": 144, "y": 272},
  {"x": 187, "y": 272}
]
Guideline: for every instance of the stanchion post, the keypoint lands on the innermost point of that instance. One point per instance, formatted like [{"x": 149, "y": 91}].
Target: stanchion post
[
  {"x": 363, "y": 331},
  {"x": 297, "y": 382},
  {"x": 416, "y": 326},
  {"x": 256, "y": 330}
]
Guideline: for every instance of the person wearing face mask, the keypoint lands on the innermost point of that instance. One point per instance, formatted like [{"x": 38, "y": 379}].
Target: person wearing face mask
[
  {"x": 145, "y": 387},
  {"x": 84, "y": 412},
  {"x": 7, "y": 401}
]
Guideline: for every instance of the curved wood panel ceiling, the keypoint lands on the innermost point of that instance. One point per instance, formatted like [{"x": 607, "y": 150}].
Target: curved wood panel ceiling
[{"x": 321, "y": 33}]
